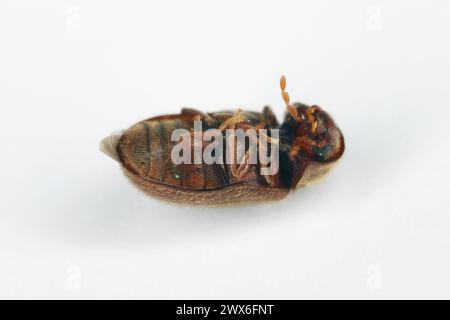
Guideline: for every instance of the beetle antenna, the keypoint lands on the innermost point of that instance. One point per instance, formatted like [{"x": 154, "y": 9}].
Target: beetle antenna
[{"x": 291, "y": 109}]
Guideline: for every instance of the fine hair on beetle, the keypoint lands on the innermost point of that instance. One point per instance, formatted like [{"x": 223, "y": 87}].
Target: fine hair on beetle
[{"x": 241, "y": 147}]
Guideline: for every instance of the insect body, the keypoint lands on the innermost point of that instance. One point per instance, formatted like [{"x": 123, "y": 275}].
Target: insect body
[{"x": 308, "y": 145}]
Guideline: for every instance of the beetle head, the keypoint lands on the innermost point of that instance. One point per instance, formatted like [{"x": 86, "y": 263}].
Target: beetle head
[
  {"x": 312, "y": 141},
  {"x": 314, "y": 134}
]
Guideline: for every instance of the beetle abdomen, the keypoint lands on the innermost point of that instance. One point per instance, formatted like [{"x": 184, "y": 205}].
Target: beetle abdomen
[
  {"x": 145, "y": 149},
  {"x": 241, "y": 193}
]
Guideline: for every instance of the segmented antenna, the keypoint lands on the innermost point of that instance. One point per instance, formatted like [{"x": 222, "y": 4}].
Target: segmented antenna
[{"x": 291, "y": 109}]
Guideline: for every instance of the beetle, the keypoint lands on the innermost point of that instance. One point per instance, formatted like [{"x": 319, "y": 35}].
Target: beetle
[{"x": 308, "y": 146}]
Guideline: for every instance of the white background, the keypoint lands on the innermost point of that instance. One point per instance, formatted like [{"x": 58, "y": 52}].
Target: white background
[{"x": 72, "y": 226}]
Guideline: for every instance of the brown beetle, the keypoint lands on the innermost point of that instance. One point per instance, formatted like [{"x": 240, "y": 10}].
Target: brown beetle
[{"x": 309, "y": 145}]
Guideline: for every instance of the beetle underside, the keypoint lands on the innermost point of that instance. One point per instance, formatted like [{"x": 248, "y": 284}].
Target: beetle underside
[{"x": 309, "y": 145}]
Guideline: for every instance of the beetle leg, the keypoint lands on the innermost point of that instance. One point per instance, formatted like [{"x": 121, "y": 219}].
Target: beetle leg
[
  {"x": 261, "y": 125},
  {"x": 243, "y": 170},
  {"x": 238, "y": 172},
  {"x": 270, "y": 179},
  {"x": 231, "y": 122}
]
